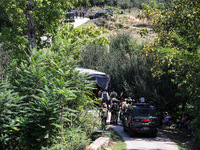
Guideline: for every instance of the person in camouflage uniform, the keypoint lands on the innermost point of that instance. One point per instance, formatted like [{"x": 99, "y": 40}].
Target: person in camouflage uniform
[
  {"x": 114, "y": 109},
  {"x": 129, "y": 104},
  {"x": 104, "y": 114},
  {"x": 104, "y": 99},
  {"x": 123, "y": 108},
  {"x": 113, "y": 96}
]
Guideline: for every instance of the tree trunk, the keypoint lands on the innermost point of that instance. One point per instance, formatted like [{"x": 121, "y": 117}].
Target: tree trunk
[
  {"x": 62, "y": 123},
  {"x": 31, "y": 29}
]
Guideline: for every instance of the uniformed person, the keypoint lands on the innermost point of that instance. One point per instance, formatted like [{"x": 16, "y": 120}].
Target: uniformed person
[
  {"x": 114, "y": 108},
  {"x": 129, "y": 104},
  {"x": 111, "y": 103},
  {"x": 123, "y": 107},
  {"x": 104, "y": 114},
  {"x": 113, "y": 94},
  {"x": 105, "y": 99}
]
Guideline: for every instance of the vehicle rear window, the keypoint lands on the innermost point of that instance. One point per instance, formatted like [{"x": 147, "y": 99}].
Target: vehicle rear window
[
  {"x": 69, "y": 15},
  {"x": 144, "y": 112}
]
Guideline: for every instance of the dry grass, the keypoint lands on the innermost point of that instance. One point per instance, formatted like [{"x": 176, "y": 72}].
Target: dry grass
[{"x": 128, "y": 21}]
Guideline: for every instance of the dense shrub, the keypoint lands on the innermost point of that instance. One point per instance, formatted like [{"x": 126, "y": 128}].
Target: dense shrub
[
  {"x": 73, "y": 139},
  {"x": 129, "y": 69},
  {"x": 42, "y": 98}
]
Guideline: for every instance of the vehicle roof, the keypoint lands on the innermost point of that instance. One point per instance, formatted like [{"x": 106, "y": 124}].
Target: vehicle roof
[{"x": 142, "y": 105}]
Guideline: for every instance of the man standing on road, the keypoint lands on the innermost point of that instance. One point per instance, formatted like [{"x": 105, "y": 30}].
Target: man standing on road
[
  {"x": 83, "y": 14},
  {"x": 114, "y": 109},
  {"x": 104, "y": 114},
  {"x": 76, "y": 13}
]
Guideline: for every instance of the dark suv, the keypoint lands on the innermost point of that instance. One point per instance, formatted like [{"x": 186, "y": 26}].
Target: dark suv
[
  {"x": 102, "y": 13},
  {"x": 140, "y": 118},
  {"x": 69, "y": 17}
]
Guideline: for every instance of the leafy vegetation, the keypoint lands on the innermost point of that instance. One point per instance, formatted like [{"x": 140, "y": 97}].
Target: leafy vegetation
[
  {"x": 130, "y": 70},
  {"x": 44, "y": 102},
  {"x": 42, "y": 95},
  {"x": 177, "y": 50}
]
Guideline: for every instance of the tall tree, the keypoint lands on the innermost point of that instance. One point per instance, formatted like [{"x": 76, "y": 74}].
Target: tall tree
[
  {"x": 32, "y": 19},
  {"x": 31, "y": 30},
  {"x": 178, "y": 48}
]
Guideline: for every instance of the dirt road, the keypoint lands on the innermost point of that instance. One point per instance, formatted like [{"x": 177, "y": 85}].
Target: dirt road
[
  {"x": 145, "y": 142},
  {"x": 79, "y": 21}
]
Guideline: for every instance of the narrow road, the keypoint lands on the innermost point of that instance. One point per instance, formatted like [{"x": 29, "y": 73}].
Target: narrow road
[
  {"x": 145, "y": 142},
  {"x": 79, "y": 21}
]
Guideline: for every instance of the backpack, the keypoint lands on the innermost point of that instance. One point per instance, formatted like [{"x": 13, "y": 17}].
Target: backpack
[{"x": 115, "y": 107}]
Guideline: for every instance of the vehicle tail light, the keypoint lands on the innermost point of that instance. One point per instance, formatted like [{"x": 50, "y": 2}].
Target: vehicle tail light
[
  {"x": 145, "y": 120},
  {"x": 132, "y": 119}
]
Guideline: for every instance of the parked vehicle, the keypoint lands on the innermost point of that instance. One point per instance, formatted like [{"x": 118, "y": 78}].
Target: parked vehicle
[
  {"x": 140, "y": 118},
  {"x": 70, "y": 17},
  {"x": 102, "y": 13}
]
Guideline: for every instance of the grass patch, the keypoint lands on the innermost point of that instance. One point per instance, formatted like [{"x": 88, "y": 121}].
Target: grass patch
[
  {"x": 128, "y": 21},
  {"x": 86, "y": 25},
  {"x": 116, "y": 141}
]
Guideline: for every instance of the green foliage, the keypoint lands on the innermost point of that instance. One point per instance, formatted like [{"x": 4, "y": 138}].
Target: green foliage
[
  {"x": 74, "y": 139},
  {"x": 47, "y": 82},
  {"x": 9, "y": 114},
  {"x": 177, "y": 50},
  {"x": 143, "y": 32},
  {"x": 47, "y": 17},
  {"x": 78, "y": 137},
  {"x": 125, "y": 4},
  {"x": 44, "y": 94}
]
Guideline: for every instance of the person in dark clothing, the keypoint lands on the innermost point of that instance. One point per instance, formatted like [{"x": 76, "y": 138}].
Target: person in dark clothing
[
  {"x": 114, "y": 109},
  {"x": 76, "y": 13},
  {"x": 83, "y": 14}
]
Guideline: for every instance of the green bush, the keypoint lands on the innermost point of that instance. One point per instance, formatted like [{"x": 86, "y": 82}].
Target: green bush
[
  {"x": 44, "y": 96},
  {"x": 73, "y": 139},
  {"x": 101, "y": 22}
]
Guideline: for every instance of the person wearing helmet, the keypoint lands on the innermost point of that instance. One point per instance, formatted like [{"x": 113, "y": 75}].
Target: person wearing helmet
[
  {"x": 113, "y": 96},
  {"x": 114, "y": 108},
  {"x": 105, "y": 99}
]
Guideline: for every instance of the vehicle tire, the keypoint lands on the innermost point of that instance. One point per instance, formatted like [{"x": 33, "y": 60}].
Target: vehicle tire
[
  {"x": 130, "y": 132},
  {"x": 124, "y": 128},
  {"x": 154, "y": 135}
]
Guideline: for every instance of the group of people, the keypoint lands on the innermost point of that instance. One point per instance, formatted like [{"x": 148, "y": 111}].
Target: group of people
[
  {"x": 81, "y": 14},
  {"x": 183, "y": 122},
  {"x": 109, "y": 102},
  {"x": 116, "y": 105}
]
